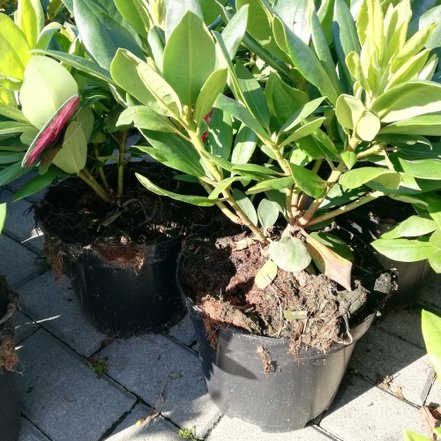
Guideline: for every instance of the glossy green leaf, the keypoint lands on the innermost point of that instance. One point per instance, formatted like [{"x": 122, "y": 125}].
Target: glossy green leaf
[
  {"x": 240, "y": 112},
  {"x": 403, "y": 250},
  {"x": 266, "y": 274},
  {"x": 412, "y": 436},
  {"x": 10, "y": 157},
  {"x": 268, "y": 213},
  {"x": 431, "y": 327},
  {"x": 305, "y": 60},
  {"x": 253, "y": 94},
  {"x": 308, "y": 181},
  {"x": 296, "y": 117},
  {"x": 14, "y": 49},
  {"x": 283, "y": 99},
  {"x": 12, "y": 127},
  {"x": 82, "y": 64},
  {"x": 357, "y": 177},
  {"x": 290, "y": 254},
  {"x": 175, "y": 11},
  {"x": 136, "y": 14},
  {"x": 349, "y": 158},
  {"x": 423, "y": 168},
  {"x": 212, "y": 88},
  {"x": 246, "y": 205},
  {"x": 305, "y": 129},
  {"x": 414, "y": 226},
  {"x": 426, "y": 125},
  {"x": 194, "y": 200},
  {"x": 271, "y": 184},
  {"x": 101, "y": 33},
  {"x": 245, "y": 144},
  {"x": 173, "y": 152},
  {"x": 189, "y": 58},
  {"x": 36, "y": 184},
  {"x": 220, "y": 134},
  {"x": 30, "y": 19},
  {"x": 11, "y": 173},
  {"x": 143, "y": 117},
  {"x": 408, "y": 100},
  {"x": 225, "y": 184},
  {"x": 72, "y": 156},
  {"x": 234, "y": 31},
  {"x": 46, "y": 86}
]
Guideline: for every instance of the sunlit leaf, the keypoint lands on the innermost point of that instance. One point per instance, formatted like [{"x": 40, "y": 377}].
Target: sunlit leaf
[
  {"x": 266, "y": 275},
  {"x": 290, "y": 254}
]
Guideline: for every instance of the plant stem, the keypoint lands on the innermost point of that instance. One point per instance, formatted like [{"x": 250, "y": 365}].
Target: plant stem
[
  {"x": 94, "y": 185},
  {"x": 101, "y": 170},
  {"x": 344, "y": 209},
  {"x": 122, "y": 151}
]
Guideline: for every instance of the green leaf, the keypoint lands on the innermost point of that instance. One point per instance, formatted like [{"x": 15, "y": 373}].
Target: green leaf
[
  {"x": 136, "y": 13},
  {"x": 283, "y": 99},
  {"x": 272, "y": 184},
  {"x": 408, "y": 100},
  {"x": 235, "y": 29},
  {"x": 426, "y": 125},
  {"x": 72, "y": 156},
  {"x": 213, "y": 87},
  {"x": 431, "y": 327},
  {"x": 266, "y": 274},
  {"x": 14, "y": 49},
  {"x": 175, "y": 11},
  {"x": 349, "y": 158},
  {"x": 245, "y": 144},
  {"x": 308, "y": 181},
  {"x": 268, "y": 213},
  {"x": 246, "y": 205},
  {"x": 12, "y": 112},
  {"x": 224, "y": 185},
  {"x": 334, "y": 243},
  {"x": 412, "y": 436},
  {"x": 143, "y": 117},
  {"x": 404, "y": 250},
  {"x": 253, "y": 94},
  {"x": 12, "y": 128},
  {"x": 304, "y": 60},
  {"x": 174, "y": 152},
  {"x": 305, "y": 129},
  {"x": 46, "y": 86},
  {"x": 189, "y": 58},
  {"x": 36, "y": 184},
  {"x": 102, "y": 34},
  {"x": 290, "y": 254},
  {"x": 423, "y": 168},
  {"x": 194, "y": 200},
  {"x": 359, "y": 176},
  {"x": 414, "y": 226},
  {"x": 299, "y": 114},
  {"x": 3, "y": 210},
  {"x": 30, "y": 19},
  {"x": 220, "y": 134},
  {"x": 11, "y": 173},
  {"x": 240, "y": 112}
]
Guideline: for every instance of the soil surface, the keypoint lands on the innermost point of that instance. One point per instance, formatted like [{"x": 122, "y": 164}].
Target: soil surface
[
  {"x": 72, "y": 215},
  {"x": 218, "y": 274},
  {"x": 8, "y": 298}
]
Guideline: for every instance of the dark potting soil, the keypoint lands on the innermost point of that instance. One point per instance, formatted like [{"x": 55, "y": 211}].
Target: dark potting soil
[
  {"x": 73, "y": 214},
  {"x": 8, "y": 299},
  {"x": 311, "y": 310}
]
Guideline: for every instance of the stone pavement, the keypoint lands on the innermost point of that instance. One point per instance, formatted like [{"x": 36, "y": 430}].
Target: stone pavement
[{"x": 63, "y": 398}]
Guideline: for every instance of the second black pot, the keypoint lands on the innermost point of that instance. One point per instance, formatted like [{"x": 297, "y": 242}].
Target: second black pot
[
  {"x": 123, "y": 302},
  {"x": 293, "y": 392}
]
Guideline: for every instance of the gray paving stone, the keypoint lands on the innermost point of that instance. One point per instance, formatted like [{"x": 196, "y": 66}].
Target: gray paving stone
[
  {"x": 20, "y": 223},
  {"x": 52, "y": 303},
  {"x": 400, "y": 367},
  {"x": 62, "y": 396},
  {"x": 405, "y": 323},
  {"x": 430, "y": 291},
  {"x": 24, "y": 326},
  {"x": 29, "y": 432},
  {"x": 233, "y": 429},
  {"x": 16, "y": 262},
  {"x": 158, "y": 430},
  {"x": 152, "y": 363},
  {"x": 183, "y": 331},
  {"x": 434, "y": 396},
  {"x": 362, "y": 412}
]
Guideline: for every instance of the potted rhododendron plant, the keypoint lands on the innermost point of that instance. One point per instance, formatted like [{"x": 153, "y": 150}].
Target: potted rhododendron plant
[
  {"x": 117, "y": 243},
  {"x": 286, "y": 127}
]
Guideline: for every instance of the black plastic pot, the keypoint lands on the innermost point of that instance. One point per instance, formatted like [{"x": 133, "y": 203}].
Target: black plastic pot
[
  {"x": 123, "y": 302},
  {"x": 295, "y": 391},
  {"x": 9, "y": 408}
]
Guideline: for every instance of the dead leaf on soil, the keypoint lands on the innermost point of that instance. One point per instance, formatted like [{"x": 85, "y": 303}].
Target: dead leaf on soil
[
  {"x": 330, "y": 263},
  {"x": 266, "y": 275},
  {"x": 243, "y": 244}
]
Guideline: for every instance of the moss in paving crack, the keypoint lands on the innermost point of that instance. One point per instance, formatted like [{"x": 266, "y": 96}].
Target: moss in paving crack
[
  {"x": 186, "y": 433},
  {"x": 98, "y": 365}
]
